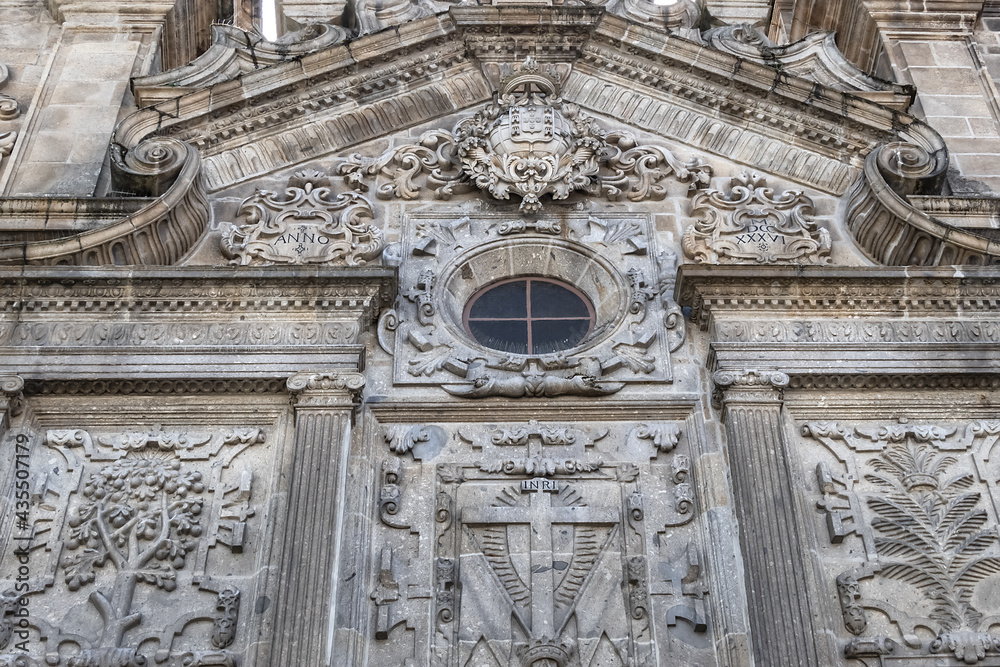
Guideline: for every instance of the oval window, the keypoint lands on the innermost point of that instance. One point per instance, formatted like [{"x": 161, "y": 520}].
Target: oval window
[{"x": 529, "y": 316}]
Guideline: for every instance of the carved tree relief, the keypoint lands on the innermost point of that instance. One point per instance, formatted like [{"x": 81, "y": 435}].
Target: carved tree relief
[
  {"x": 922, "y": 498},
  {"x": 134, "y": 519}
]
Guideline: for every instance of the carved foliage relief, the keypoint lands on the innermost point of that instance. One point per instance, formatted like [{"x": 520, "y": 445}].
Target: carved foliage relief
[
  {"x": 547, "y": 549},
  {"x": 919, "y": 503},
  {"x": 125, "y": 546},
  {"x": 750, "y": 224},
  {"x": 611, "y": 258}
]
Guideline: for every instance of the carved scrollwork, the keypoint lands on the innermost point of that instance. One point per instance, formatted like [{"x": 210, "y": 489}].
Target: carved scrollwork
[
  {"x": 539, "y": 466},
  {"x": 224, "y": 625},
  {"x": 530, "y": 143},
  {"x": 750, "y": 225},
  {"x": 891, "y": 230},
  {"x": 304, "y": 226},
  {"x": 9, "y": 109}
]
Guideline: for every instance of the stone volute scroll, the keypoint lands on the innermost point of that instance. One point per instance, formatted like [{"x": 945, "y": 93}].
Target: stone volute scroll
[
  {"x": 307, "y": 224},
  {"x": 750, "y": 224}
]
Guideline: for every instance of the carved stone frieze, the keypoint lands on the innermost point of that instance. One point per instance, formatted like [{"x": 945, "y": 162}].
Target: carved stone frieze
[
  {"x": 527, "y": 143},
  {"x": 868, "y": 331},
  {"x": 432, "y": 345},
  {"x": 305, "y": 225},
  {"x": 921, "y": 501},
  {"x": 751, "y": 225}
]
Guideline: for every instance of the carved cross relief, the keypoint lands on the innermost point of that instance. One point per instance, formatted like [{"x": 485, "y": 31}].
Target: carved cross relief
[{"x": 541, "y": 548}]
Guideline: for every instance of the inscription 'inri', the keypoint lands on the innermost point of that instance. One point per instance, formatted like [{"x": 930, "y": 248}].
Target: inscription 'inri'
[{"x": 539, "y": 484}]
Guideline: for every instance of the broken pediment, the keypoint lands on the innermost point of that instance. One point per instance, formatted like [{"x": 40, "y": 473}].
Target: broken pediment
[
  {"x": 815, "y": 57},
  {"x": 341, "y": 95},
  {"x": 250, "y": 110}
]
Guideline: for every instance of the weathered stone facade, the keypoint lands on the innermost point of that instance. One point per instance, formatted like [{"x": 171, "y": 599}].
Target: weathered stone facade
[{"x": 249, "y": 414}]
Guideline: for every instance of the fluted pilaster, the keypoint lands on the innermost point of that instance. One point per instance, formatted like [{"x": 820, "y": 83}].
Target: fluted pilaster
[
  {"x": 781, "y": 622},
  {"x": 307, "y": 580}
]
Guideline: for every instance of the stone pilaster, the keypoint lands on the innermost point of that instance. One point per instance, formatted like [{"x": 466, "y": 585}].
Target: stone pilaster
[
  {"x": 781, "y": 621},
  {"x": 307, "y": 583}
]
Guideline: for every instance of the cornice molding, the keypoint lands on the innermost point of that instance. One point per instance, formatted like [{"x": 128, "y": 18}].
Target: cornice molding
[
  {"x": 815, "y": 57},
  {"x": 300, "y": 289},
  {"x": 715, "y": 292},
  {"x": 234, "y": 52}
]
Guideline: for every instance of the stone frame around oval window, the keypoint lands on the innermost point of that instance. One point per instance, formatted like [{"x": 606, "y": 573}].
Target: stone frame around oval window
[
  {"x": 446, "y": 256},
  {"x": 534, "y": 257}
]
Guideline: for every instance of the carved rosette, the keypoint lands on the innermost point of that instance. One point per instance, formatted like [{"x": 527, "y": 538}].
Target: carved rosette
[
  {"x": 751, "y": 225},
  {"x": 306, "y": 225}
]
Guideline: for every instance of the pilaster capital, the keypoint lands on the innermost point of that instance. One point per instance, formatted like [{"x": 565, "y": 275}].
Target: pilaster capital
[
  {"x": 326, "y": 389},
  {"x": 11, "y": 396},
  {"x": 750, "y": 385}
]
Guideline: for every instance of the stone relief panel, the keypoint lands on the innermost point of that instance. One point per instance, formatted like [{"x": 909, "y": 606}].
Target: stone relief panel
[
  {"x": 125, "y": 547},
  {"x": 537, "y": 544},
  {"x": 750, "y": 224},
  {"x": 308, "y": 224},
  {"x": 611, "y": 258},
  {"x": 910, "y": 511}
]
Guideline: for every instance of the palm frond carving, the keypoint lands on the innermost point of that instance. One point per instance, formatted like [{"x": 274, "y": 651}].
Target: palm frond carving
[{"x": 931, "y": 531}]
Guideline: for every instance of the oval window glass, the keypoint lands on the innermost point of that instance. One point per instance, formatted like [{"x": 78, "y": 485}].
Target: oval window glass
[{"x": 529, "y": 316}]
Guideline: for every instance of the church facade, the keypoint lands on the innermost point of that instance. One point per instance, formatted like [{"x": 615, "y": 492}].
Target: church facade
[{"x": 524, "y": 334}]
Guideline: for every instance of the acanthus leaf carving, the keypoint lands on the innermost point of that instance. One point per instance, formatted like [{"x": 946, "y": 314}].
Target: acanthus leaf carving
[
  {"x": 752, "y": 225},
  {"x": 304, "y": 226}
]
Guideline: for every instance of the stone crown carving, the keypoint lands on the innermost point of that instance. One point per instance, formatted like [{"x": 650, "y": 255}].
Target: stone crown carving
[
  {"x": 305, "y": 226},
  {"x": 752, "y": 225}
]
